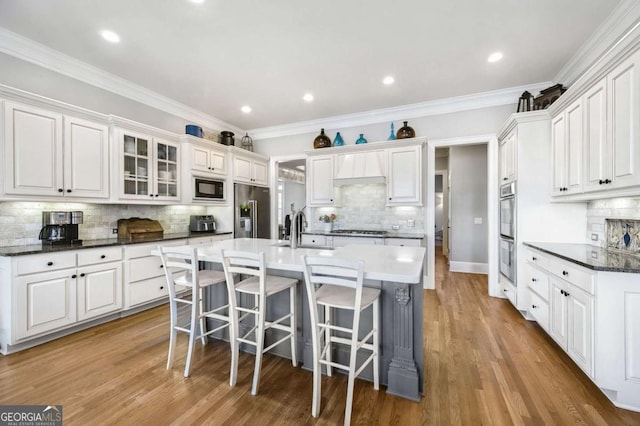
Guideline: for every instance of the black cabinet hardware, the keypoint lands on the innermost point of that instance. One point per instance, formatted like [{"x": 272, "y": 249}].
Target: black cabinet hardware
[
  {"x": 82, "y": 274},
  {"x": 565, "y": 273},
  {"x": 73, "y": 276},
  {"x": 534, "y": 280},
  {"x": 607, "y": 181},
  {"x": 60, "y": 190},
  {"x": 103, "y": 256},
  {"x": 49, "y": 263},
  {"x": 534, "y": 307}
]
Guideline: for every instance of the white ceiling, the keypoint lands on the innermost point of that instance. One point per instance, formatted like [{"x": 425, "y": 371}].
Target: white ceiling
[{"x": 220, "y": 55}]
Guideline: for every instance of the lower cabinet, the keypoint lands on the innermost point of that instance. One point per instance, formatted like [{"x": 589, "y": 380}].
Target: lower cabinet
[{"x": 99, "y": 290}]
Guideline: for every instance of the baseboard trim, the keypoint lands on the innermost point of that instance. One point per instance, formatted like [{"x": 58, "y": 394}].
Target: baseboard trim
[{"x": 469, "y": 267}]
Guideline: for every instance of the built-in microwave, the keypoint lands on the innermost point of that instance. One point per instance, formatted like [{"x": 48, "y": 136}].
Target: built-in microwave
[{"x": 208, "y": 189}]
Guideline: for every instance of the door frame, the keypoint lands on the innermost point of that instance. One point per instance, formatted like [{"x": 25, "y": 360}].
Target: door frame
[
  {"x": 492, "y": 205},
  {"x": 274, "y": 163},
  {"x": 445, "y": 210}
]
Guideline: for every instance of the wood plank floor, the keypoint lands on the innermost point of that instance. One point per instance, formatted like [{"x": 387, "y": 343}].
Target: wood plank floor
[{"x": 484, "y": 364}]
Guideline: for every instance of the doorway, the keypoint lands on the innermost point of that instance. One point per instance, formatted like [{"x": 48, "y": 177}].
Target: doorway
[
  {"x": 288, "y": 189},
  {"x": 491, "y": 211}
]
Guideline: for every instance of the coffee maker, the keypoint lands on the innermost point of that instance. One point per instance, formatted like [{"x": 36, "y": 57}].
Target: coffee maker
[{"x": 60, "y": 227}]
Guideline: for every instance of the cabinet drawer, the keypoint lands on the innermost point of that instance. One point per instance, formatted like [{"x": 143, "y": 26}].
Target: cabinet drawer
[
  {"x": 145, "y": 267},
  {"x": 101, "y": 255},
  {"x": 539, "y": 309},
  {"x": 402, "y": 242},
  {"x": 537, "y": 258},
  {"x": 314, "y": 240},
  {"x": 146, "y": 290},
  {"x": 538, "y": 281},
  {"x": 509, "y": 290},
  {"x": 143, "y": 250},
  {"x": 576, "y": 275},
  {"x": 45, "y": 262}
]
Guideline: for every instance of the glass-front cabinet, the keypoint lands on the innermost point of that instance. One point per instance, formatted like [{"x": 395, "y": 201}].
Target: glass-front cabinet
[{"x": 150, "y": 167}]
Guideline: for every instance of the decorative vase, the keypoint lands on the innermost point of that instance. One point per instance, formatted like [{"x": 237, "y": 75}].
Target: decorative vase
[
  {"x": 392, "y": 136},
  {"x": 328, "y": 226},
  {"x": 406, "y": 132},
  {"x": 338, "y": 141},
  {"x": 361, "y": 139},
  {"x": 322, "y": 140}
]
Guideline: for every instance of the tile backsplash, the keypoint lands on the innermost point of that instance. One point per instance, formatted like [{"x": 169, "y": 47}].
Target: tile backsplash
[
  {"x": 623, "y": 235},
  {"x": 619, "y": 211},
  {"x": 20, "y": 222},
  {"x": 364, "y": 207}
]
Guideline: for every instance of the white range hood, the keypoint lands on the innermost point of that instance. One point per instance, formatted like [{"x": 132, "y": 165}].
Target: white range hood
[{"x": 359, "y": 168}]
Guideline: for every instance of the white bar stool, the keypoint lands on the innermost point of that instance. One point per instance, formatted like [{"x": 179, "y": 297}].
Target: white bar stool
[
  {"x": 182, "y": 272},
  {"x": 337, "y": 283},
  {"x": 261, "y": 286}
]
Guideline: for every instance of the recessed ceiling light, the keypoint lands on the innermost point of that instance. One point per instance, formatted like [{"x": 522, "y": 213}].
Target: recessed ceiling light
[
  {"x": 110, "y": 36},
  {"x": 197, "y": 1},
  {"x": 246, "y": 109},
  {"x": 308, "y": 97},
  {"x": 495, "y": 57},
  {"x": 388, "y": 80}
]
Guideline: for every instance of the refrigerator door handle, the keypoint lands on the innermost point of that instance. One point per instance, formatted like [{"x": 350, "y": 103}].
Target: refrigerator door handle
[{"x": 253, "y": 204}]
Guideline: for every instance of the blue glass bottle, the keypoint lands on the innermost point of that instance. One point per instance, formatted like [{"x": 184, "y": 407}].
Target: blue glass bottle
[
  {"x": 392, "y": 136},
  {"x": 338, "y": 141},
  {"x": 361, "y": 139}
]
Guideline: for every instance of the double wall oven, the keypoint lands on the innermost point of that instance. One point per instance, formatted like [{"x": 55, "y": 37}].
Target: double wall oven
[{"x": 508, "y": 231}]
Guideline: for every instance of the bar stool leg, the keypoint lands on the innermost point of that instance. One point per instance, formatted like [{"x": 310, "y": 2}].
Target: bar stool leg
[
  {"x": 192, "y": 335},
  {"x": 294, "y": 326},
  {"x": 259, "y": 343},
  {"x": 317, "y": 367},
  {"x": 203, "y": 322},
  {"x": 376, "y": 344},
  {"x": 173, "y": 336},
  {"x": 327, "y": 338},
  {"x": 233, "y": 338},
  {"x": 352, "y": 376}
]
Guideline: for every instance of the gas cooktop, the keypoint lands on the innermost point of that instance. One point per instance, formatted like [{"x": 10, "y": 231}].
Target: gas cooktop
[{"x": 359, "y": 232}]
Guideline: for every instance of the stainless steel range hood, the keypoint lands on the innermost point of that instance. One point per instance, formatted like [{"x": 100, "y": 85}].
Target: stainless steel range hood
[{"x": 360, "y": 168}]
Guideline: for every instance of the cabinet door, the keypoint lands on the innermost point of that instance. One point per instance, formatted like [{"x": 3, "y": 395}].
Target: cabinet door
[
  {"x": 558, "y": 154},
  {"x": 218, "y": 162},
  {"x": 86, "y": 159},
  {"x": 99, "y": 290},
  {"x": 623, "y": 89},
  {"x": 166, "y": 170},
  {"x": 558, "y": 322},
  {"x": 508, "y": 158},
  {"x": 45, "y": 302},
  {"x": 260, "y": 173},
  {"x": 200, "y": 159},
  {"x": 573, "y": 140},
  {"x": 580, "y": 329},
  {"x": 32, "y": 151},
  {"x": 404, "y": 180},
  {"x": 595, "y": 140},
  {"x": 320, "y": 180},
  {"x": 242, "y": 169},
  {"x": 136, "y": 166}
]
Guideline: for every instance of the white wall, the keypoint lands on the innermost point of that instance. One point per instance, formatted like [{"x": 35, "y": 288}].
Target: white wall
[
  {"x": 468, "y": 170},
  {"x": 293, "y": 193}
]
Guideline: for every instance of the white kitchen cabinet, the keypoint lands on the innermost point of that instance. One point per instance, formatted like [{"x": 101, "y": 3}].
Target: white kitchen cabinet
[
  {"x": 404, "y": 176},
  {"x": 320, "y": 190},
  {"x": 249, "y": 169},
  {"x": 99, "y": 282},
  {"x": 149, "y": 167},
  {"x": 402, "y": 242},
  {"x": 508, "y": 158},
  {"x": 209, "y": 239},
  {"x": 45, "y": 302},
  {"x": 52, "y": 156},
  {"x": 208, "y": 160},
  {"x": 566, "y": 142},
  {"x": 314, "y": 240},
  {"x": 595, "y": 138},
  {"x": 559, "y": 312},
  {"x": 341, "y": 241}
]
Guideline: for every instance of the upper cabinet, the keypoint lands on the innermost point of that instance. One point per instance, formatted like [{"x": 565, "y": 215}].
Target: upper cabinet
[
  {"x": 508, "y": 158},
  {"x": 50, "y": 155},
  {"x": 404, "y": 178},
  {"x": 596, "y": 150},
  {"x": 149, "y": 167},
  {"x": 320, "y": 190},
  {"x": 209, "y": 159},
  {"x": 250, "y": 168}
]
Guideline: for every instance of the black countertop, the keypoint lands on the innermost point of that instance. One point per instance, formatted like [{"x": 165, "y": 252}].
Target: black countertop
[
  {"x": 591, "y": 257},
  {"x": 388, "y": 234},
  {"x": 87, "y": 244}
]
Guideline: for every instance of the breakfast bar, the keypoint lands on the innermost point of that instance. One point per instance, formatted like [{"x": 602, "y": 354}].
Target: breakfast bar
[{"x": 396, "y": 271}]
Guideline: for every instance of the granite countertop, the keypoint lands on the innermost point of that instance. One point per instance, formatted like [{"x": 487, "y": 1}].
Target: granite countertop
[
  {"x": 389, "y": 234},
  {"x": 592, "y": 257},
  {"x": 87, "y": 244}
]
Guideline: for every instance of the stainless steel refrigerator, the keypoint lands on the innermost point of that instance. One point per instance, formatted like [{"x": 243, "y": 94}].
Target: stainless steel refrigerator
[{"x": 252, "y": 212}]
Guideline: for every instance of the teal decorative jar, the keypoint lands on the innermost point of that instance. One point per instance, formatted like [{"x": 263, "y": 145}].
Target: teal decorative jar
[
  {"x": 361, "y": 139},
  {"x": 392, "y": 136},
  {"x": 338, "y": 141}
]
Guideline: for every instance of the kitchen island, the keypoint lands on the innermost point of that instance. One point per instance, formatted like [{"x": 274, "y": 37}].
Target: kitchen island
[{"x": 396, "y": 271}]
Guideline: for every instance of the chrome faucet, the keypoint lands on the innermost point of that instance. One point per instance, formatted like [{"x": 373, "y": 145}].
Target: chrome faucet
[{"x": 295, "y": 238}]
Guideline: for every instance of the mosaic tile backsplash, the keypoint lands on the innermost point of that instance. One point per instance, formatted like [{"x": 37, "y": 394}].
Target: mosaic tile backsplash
[{"x": 623, "y": 235}]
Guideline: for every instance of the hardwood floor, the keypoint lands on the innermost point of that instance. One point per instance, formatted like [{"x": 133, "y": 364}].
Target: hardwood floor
[{"x": 484, "y": 364}]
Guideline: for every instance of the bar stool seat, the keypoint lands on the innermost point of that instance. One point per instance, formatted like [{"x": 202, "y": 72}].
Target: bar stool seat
[
  {"x": 181, "y": 270},
  {"x": 338, "y": 284},
  {"x": 260, "y": 286}
]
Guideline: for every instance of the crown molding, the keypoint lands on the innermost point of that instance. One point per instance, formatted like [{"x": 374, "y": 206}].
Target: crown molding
[
  {"x": 31, "y": 51},
  {"x": 623, "y": 18},
  {"x": 442, "y": 106}
]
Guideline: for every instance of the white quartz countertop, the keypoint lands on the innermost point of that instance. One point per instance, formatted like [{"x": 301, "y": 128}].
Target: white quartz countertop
[{"x": 383, "y": 263}]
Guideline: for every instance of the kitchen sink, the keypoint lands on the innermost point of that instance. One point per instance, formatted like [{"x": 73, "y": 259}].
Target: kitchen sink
[{"x": 304, "y": 246}]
